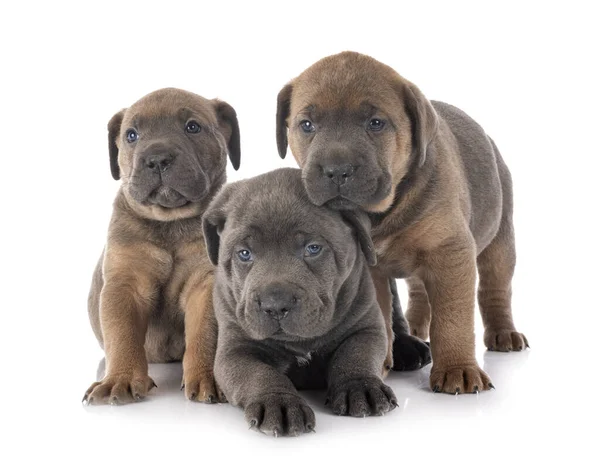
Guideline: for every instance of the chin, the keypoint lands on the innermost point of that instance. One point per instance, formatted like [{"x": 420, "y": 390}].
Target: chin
[
  {"x": 341, "y": 203},
  {"x": 161, "y": 213},
  {"x": 260, "y": 334},
  {"x": 382, "y": 206}
]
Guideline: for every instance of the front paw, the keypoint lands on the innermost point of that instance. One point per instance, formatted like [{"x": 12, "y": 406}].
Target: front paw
[
  {"x": 459, "y": 379},
  {"x": 361, "y": 397},
  {"x": 280, "y": 414},
  {"x": 119, "y": 389},
  {"x": 201, "y": 386},
  {"x": 410, "y": 353}
]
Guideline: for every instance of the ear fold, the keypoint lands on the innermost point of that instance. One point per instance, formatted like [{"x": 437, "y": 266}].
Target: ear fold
[
  {"x": 424, "y": 120},
  {"x": 228, "y": 124},
  {"x": 283, "y": 111},
  {"x": 361, "y": 223},
  {"x": 213, "y": 221},
  {"x": 114, "y": 128}
]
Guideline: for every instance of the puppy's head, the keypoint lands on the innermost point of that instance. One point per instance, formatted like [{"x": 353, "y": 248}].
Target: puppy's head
[
  {"x": 281, "y": 259},
  {"x": 355, "y": 127},
  {"x": 170, "y": 150}
]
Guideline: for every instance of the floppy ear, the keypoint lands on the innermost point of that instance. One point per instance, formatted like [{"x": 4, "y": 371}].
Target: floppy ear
[
  {"x": 423, "y": 118},
  {"x": 114, "y": 128},
  {"x": 213, "y": 221},
  {"x": 228, "y": 124},
  {"x": 361, "y": 223},
  {"x": 283, "y": 111}
]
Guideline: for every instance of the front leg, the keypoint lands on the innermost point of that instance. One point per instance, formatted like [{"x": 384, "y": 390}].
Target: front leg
[
  {"x": 449, "y": 277},
  {"x": 252, "y": 377},
  {"x": 404, "y": 352},
  {"x": 354, "y": 379},
  {"x": 200, "y": 340},
  {"x": 127, "y": 297}
]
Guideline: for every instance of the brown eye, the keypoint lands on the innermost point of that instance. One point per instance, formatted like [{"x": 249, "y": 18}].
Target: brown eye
[
  {"x": 307, "y": 126},
  {"x": 192, "y": 127},
  {"x": 376, "y": 124},
  {"x": 132, "y": 135}
]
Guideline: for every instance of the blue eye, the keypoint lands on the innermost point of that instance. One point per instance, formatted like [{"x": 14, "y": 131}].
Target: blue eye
[
  {"x": 313, "y": 249},
  {"x": 307, "y": 126},
  {"x": 132, "y": 135},
  {"x": 245, "y": 255}
]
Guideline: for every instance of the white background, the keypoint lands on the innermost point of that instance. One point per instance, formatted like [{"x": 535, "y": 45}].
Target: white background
[{"x": 526, "y": 71}]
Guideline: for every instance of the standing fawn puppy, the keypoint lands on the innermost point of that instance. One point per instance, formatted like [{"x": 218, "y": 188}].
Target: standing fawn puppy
[
  {"x": 151, "y": 294},
  {"x": 438, "y": 193},
  {"x": 293, "y": 289}
]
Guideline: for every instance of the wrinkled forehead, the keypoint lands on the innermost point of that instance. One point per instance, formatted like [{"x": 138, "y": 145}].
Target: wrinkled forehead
[
  {"x": 174, "y": 105},
  {"x": 273, "y": 221},
  {"x": 342, "y": 88}
]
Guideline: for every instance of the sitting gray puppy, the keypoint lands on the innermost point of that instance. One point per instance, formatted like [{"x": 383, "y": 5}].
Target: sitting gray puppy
[{"x": 293, "y": 288}]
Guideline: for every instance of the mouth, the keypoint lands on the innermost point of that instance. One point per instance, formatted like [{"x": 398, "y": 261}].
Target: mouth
[
  {"x": 167, "y": 198},
  {"x": 282, "y": 335},
  {"x": 341, "y": 203}
]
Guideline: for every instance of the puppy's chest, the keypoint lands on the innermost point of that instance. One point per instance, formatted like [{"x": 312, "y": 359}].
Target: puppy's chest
[
  {"x": 395, "y": 256},
  {"x": 190, "y": 269}
]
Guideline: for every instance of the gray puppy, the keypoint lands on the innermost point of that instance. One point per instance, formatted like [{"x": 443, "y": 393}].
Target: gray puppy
[{"x": 293, "y": 288}]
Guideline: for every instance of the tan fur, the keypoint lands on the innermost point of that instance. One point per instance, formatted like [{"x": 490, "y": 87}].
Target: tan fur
[
  {"x": 151, "y": 295},
  {"x": 452, "y": 218},
  {"x": 418, "y": 312},
  {"x": 384, "y": 299}
]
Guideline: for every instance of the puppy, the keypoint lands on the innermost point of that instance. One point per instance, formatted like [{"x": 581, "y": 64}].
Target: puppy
[
  {"x": 151, "y": 294},
  {"x": 293, "y": 287},
  {"x": 438, "y": 193}
]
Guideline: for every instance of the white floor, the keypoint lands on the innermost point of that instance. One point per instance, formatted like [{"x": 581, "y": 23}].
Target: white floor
[
  {"x": 542, "y": 408},
  {"x": 527, "y": 74}
]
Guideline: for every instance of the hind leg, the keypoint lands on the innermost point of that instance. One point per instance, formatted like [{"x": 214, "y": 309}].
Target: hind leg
[
  {"x": 410, "y": 352},
  {"x": 496, "y": 265},
  {"x": 405, "y": 352},
  {"x": 418, "y": 313}
]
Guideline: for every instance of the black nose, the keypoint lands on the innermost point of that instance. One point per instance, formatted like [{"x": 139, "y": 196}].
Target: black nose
[
  {"x": 158, "y": 162},
  {"x": 338, "y": 174},
  {"x": 277, "y": 301}
]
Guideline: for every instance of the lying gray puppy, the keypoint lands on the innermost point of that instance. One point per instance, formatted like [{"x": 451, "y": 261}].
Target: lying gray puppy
[{"x": 293, "y": 288}]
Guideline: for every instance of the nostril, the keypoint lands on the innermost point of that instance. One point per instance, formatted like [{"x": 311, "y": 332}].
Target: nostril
[
  {"x": 159, "y": 162},
  {"x": 338, "y": 174}
]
